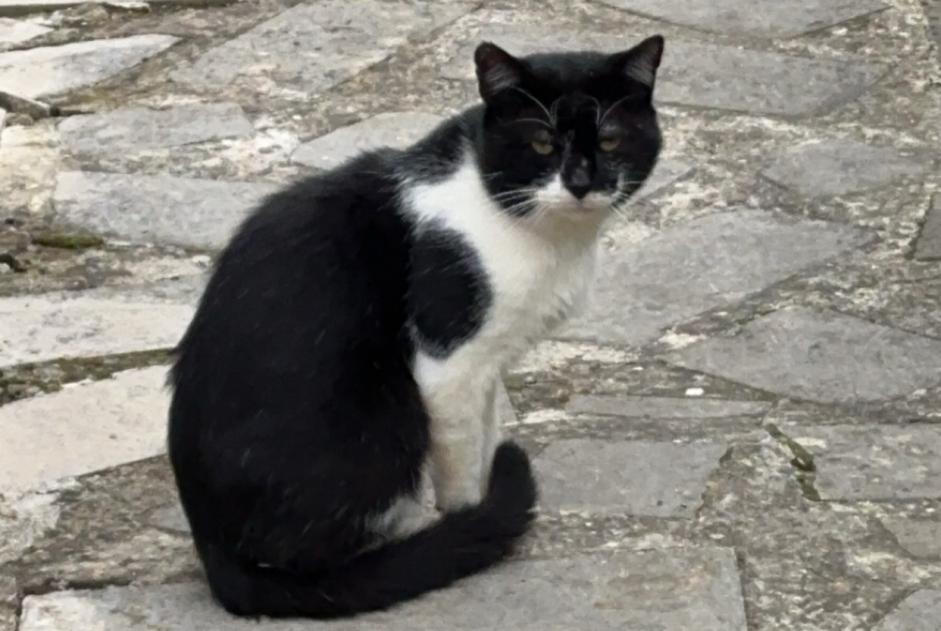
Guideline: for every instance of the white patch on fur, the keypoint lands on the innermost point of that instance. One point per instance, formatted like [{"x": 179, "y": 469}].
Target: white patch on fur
[
  {"x": 405, "y": 516},
  {"x": 539, "y": 268},
  {"x": 553, "y": 198}
]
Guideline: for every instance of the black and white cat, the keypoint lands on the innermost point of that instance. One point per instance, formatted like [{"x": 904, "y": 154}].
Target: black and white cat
[{"x": 356, "y": 326}]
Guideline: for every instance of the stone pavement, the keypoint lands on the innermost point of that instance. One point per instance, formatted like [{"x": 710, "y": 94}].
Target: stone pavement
[{"x": 743, "y": 432}]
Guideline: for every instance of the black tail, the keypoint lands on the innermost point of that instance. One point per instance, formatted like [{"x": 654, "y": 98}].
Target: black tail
[{"x": 460, "y": 544}]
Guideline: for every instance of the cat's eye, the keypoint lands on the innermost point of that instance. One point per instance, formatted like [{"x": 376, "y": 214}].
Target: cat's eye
[
  {"x": 609, "y": 144},
  {"x": 542, "y": 143}
]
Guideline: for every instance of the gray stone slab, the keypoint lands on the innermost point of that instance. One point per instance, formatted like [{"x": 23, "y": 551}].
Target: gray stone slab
[
  {"x": 874, "y": 463},
  {"x": 310, "y": 48},
  {"x": 759, "y": 18},
  {"x": 667, "y": 171},
  {"x": 166, "y": 209},
  {"x": 824, "y": 168},
  {"x": 682, "y": 588},
  {"x": 18, "y": 31},
  {"x": 43, "y": 327},
  {"x": 626, "y": 477},
  {"x": 709, "y": 262},
  {"x": 920, "y": 538},
  {"x": 663, "y": 407},
  {"x": 24, "y": 7},
  {"x": 820, "y": 356},
  {"x": 82, "y": 428},
  {"x": 3, "y": 120},
  {"x": 702, "y": 75},
  {"x": 919, "y": 612},
  {"x": 141, "y": 129},
  {"x": 53, "y": 70},
  {"x": 392, "y": 129},
  {"x": 928, "y": 246}
]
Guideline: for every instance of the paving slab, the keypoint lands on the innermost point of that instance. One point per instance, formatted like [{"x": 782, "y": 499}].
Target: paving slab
[
  {"x": 820, "y": 356},
  {"x": 83, "y": 428},
  {"x": 3, "y": 120},
  {"x": 824, "y": 168},
  {"x": 701, "y": 75},
  {"x": 682, "y": 588},
  {"x": 138, "y": 129},
  {"x": 920, "y": 538},
  {"x": 310, "y": 48},
  {"x": 666, "y": 172},
  {"x": 709, "y": 262},
  {"x": 873, "y": 463},
  {"x": 761, "y": 18},
  {"x": 392, "y": 129},
  {"x": 195, "y": 213},
  {"x": 663, "y": 407},
  {"x": 928, "y": 246},
  {"x": 19, "y": 31},
  {"x": 43, "y": 327},
  {"x": 919, "y": 612},
  {"x": 51, "y": 70},
  {"x": 24, "y": 7},
  {"x": 638, "y": 478}
]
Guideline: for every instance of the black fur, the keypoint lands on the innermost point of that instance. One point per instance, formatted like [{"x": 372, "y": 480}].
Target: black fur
[{"x": 295, "y": 417}]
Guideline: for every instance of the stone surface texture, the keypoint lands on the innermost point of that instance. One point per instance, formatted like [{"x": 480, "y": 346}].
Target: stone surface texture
[
  {"x": 741, "y": 429},
  {"x": 765, "y": 18},
  {"x": 53, "y": 70},
  {"x": 131, "y": 130},
  {"x": 190, "y": 212},
  {"x": 84, "y": 428},
  {"x": 636, "y": 478},
  {"x": 707, "y": 263},
  {"x": 929, "y": 243},
  {"x": 838, "y": 167},
  {"x": 393, "y": 129},
  {"x": 822, "y": 357},
  {"x": 703, "y": 75}
]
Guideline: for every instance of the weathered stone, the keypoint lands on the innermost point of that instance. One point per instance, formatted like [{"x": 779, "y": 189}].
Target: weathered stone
[
  {"x": 821, "y": 356},
  {"x": 709, "y": 262},
  {"x": 141, "y": 129},
  {"x": 666, "y": 172},
  {"x": 664, "y": 407},
  {"x": 3, "y": 120},
  {"x": 682, "y": 588},
  {"x": 929, "y": 242},
  {"x": 702, "y": 75},
  {"x": 764, "y": 18},
  {"x": 53, "y": 70},
  {"x": 50, "y": 326},
  {"x": 393, "y": 129},
  {"x": 9, "y": 603},
  {"x": 312, "y": 47},
  {"x": 171, "y": 518},
  {"x": 83, "y": 428},
  {"x": 837, "y": 167},
  {"x": 874, "y": 463},
  {"x": 18, "y": 31},
  {"x": 919, "y": 612},
  {"x": 23, "y": 7},
  {"x": 920, "y": 538},
  {"x": 189, "y": 212},
  {"x": 634, "y": 478}
]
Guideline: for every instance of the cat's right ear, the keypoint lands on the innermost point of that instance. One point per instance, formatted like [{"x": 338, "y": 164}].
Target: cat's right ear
[{"x": 497, "y": 70}]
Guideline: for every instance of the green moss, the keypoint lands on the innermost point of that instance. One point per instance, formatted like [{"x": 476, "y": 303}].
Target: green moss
[{"x": 68, "y": 241}]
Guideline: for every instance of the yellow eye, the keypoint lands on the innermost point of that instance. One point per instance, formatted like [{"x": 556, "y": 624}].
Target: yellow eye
[
  {"x": 542, "y": 143},
  {"x": 609, "y": 144}
]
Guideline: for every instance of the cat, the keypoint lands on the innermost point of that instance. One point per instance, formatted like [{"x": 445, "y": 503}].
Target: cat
[{"x": 353, "y": 332}]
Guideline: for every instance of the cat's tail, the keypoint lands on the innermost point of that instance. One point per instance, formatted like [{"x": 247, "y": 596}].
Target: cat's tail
[{"x": 460, "y": 544}]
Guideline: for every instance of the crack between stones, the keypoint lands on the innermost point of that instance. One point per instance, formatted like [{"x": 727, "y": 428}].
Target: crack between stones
[{"x": 802, "y": 461}]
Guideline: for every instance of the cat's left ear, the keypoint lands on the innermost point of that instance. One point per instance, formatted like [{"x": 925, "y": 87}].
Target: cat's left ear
[
  {"x": 497, "y": 70},
  {"x": 641, "y": 62}
]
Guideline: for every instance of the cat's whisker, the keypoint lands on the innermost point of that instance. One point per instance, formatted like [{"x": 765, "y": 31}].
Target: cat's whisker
[
  {"x": 537, "y": 102},
  {"x": 613, "y": 105}
]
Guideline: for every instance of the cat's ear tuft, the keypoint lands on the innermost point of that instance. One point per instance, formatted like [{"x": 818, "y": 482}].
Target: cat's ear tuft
[
  {"x": 641, "y": 62},
  {"x": 497, "y": 70}
]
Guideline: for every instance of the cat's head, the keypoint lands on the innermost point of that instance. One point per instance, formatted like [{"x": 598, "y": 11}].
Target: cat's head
[{"x": 567, "y": 134}]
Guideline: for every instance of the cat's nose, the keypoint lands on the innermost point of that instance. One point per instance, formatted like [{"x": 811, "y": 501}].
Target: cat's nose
[{"x": 578, "y": 183}]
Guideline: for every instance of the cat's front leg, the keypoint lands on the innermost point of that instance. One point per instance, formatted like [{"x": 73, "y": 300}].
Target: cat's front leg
[{"x": 458, "y": 435}]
